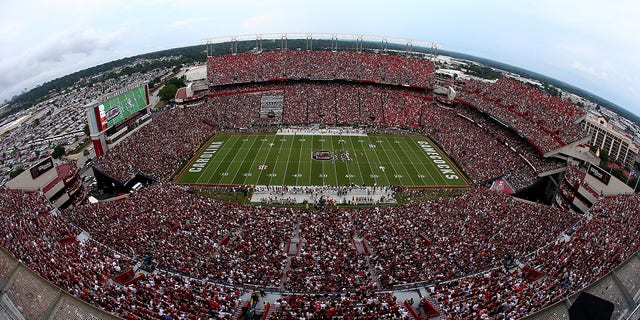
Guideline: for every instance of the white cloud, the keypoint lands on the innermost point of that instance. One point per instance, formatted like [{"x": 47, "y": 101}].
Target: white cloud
[
  {"x": 256, "y": 22},
  {"x": 84, "y": 41},
  {"x": 186, "y": 22},
  {"x": 45, "y": 60},
  {"x": 601, "y": 71}
]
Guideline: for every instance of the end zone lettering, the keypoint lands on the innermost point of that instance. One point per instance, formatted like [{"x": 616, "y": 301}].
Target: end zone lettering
[
  {"x": 442, "y": 165},
  {"x": 205, "y": 156}
]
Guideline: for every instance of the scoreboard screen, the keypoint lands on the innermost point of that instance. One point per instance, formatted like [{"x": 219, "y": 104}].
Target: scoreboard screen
[{"x": 114, "y": 110}]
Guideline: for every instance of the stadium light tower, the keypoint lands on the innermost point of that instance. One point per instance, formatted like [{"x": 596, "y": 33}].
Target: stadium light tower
[
  {"x": 359, "y": 42},
  {"x": 409, "y": 47},
  {"x": 434, "y": 51},
  {"x": 334, "y": 42},
  {"x": 234, "y": 45},
  {"x": 259, "y": 42},
  {"x": 309, "y": 41}
]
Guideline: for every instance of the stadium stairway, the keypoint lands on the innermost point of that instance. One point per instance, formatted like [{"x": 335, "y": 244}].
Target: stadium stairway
[
  {"x": 373, "y": 274},
  {"x": 292, "y": 248},
  {"x": 427, "y": 311},
  {"x": 411, "y": 310},
  {"x": 299, "y": 243},
  {"x": 360, "y": 246},
  {"x": 265, "y": 311},
  {"x": 285, "y": 271},
  {"x": 245, "y": 302}
]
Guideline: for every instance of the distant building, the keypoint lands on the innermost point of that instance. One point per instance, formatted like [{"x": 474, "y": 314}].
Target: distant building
[
  {"x": 197, "y": 87},
  {"x": 188, "y": 96},
  {"x": 618, "y": 144},
  {"x": 196, "y": 73},
  {"x": 60, "y": 183}
]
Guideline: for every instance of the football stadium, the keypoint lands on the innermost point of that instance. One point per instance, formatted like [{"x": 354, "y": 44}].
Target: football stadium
[{"x": 366, "y": 185}]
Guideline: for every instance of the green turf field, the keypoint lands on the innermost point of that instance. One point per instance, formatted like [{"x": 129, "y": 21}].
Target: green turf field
[{"x": 269, "y": 159}]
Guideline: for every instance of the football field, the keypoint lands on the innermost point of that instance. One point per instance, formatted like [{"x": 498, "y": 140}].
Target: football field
[{"x": 321, "y": 160}]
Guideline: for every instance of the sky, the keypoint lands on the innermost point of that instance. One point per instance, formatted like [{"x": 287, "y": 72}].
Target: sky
[{"x": 593, "y": 45}]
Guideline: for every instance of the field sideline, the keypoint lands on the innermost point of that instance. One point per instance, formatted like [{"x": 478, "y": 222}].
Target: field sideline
[{"x": 270, "y": 159}]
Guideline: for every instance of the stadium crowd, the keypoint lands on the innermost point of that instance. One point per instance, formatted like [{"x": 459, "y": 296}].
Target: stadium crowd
[
  {"x": 189, "y": 241},
  {"x": 45, "y": 240},
  {"x": 318, "y": 64},
  {"x": 195, "y": 236},
  {"x": 199, "y": 242},
  {"x": 485, "y": 149},
  {"x": 548, "y": 122},
  {"x": 159, "y": 147},
  {"x": 344, "y": 261},
  {"x": 594, "y": 246},
  {"x": 329, "y": 194},
  {"x": 455, "y": 236},
  {"x": 366, "y": 305}
]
